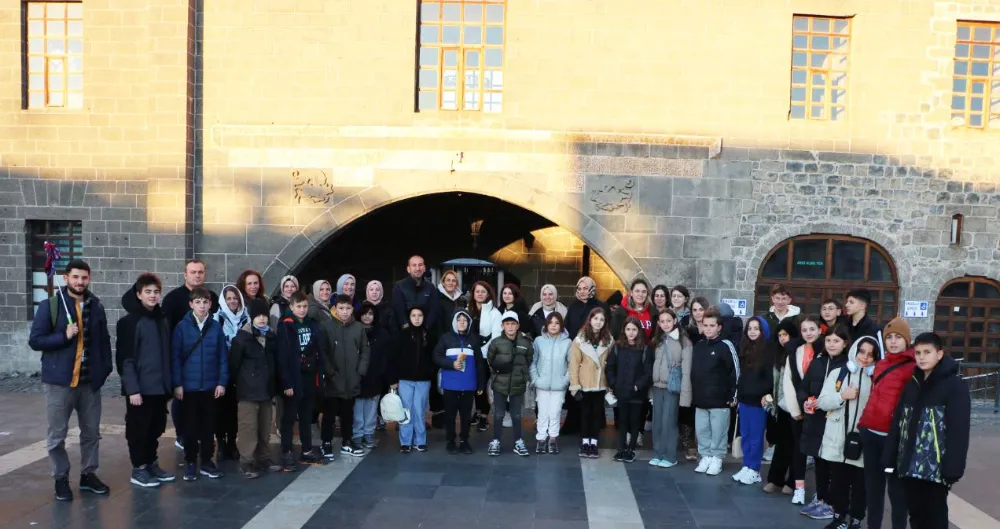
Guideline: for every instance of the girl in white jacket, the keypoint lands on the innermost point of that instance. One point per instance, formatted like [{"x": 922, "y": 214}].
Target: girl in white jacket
[
  {"x": 844, "y": 397},
  {"x": 550, "y": 376}
]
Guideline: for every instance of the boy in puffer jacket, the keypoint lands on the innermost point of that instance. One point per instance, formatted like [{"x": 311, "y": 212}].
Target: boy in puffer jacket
[
  {"x": 845, "y": 394},
  {"x": 253, "y": 363},
  {"x": 509, "y": 356},
  {"x": 463, "y": 376},
  {"x": 929, "y": 441}
]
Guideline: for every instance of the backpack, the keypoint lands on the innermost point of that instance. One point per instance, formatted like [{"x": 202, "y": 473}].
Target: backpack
[{"x": 392, "y": 408}]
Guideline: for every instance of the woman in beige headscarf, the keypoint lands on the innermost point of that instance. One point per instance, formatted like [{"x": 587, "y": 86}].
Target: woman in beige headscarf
[
  {"x": 375, "y": 294},
  {"x": 319, "y": 301}
]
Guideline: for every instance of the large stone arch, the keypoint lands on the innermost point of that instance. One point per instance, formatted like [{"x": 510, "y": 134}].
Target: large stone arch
[{"x": 563, "y": 209}]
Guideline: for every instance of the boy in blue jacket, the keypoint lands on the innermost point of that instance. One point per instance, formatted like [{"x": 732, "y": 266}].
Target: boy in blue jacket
[{"x": 200, "y": 373}]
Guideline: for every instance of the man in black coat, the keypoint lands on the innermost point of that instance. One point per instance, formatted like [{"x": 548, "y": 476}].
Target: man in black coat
[{"x": 414, "y": 291}]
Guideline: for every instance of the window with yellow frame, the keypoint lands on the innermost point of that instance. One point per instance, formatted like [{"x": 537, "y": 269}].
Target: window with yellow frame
[
  {"x": 975, "y": 98},
  {"x": 461, "y": 55},
  {"x": 820, "y": 48},
  {"x": 54, "y": 54}
]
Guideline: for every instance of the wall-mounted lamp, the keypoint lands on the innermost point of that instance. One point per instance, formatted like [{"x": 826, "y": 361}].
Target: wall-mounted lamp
[
  {"x": 529, "y": 241},
  {"x": 956, "y": 229},
  {"x": 475, "y": 228}
]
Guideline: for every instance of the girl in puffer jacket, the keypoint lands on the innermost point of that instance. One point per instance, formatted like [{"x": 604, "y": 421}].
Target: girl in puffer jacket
[
  {"x": 550, "y": 376},
  {"x": 844, "y": 396}
]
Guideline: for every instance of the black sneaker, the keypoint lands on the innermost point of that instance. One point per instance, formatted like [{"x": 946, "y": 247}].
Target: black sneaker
[
  {"x": 465, "y": 448},
  {"x": 520, "y": 448},
  {"x": 619, "y": 456},
  {"x": 854, "y": 524},
  {"x": 553, "y": 446},
  {"x": 421, "y": 448},
  {"x": 190, "y": 472},
  {"x": 542, "y": 447},
  {"x": 249, "y": 471},
  {"x": 584, "y": 450},
  {"x": 594, "y": 452},
  {"x": 484, "y": 424},
  {"x": 630, "y": 456},
  {"x": 288, "y": 462},
  {"x": 310, "y": 458},
  {"x": 355, "y": 450},
  {"x": 209, "y": 469},
  {"x": 91, "y": 483},
  {"x": 404, "y": 449},
  {"x": 327, "y": 451},
  {"x": 63, "y": 492},
  {"x": 142, "y": 477},
  {"x": 451, "y": 447},
  {"x": 158, "y": 473}
]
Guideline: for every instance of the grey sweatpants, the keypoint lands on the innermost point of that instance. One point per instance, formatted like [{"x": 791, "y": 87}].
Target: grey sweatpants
[
  {"x": 665, "y": 406},
  {"x": 712, "y": 429},
  {"x": 60, "y": 402}
]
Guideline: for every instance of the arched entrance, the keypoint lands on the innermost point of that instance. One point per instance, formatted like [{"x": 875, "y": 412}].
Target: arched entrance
[
  {"x": 820, "y": 266},
  {"x": 519, "y": 245},
  {"x": 967, "y": 317}
]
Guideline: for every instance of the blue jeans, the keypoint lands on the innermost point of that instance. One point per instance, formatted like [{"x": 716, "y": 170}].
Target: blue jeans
[
  {"x": 414, "y": 394},
  {"x": 753, "y": 422},
  {"x": 365, "y": 414}
]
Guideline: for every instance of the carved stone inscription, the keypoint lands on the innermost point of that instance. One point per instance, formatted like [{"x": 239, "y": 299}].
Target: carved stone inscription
[
  {"x": 311, "y": 186},
  {"x": 614, "y": 197}
]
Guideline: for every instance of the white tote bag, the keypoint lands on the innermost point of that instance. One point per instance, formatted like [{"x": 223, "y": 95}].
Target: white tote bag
[{"x": 393, "y": 410}]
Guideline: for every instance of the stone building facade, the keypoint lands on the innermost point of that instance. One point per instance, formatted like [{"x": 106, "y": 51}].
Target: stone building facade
[{"x": 664, "y": 135}]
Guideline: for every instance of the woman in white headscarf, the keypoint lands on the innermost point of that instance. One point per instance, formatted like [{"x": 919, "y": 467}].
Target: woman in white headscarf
[
  {"x": 386, "y": 318},
  {"x": 232, "y": 316},
  {"x": 319, "y": 301},
  {"x": 279, "y": 304},
  {"x": 540, "y": 311}
]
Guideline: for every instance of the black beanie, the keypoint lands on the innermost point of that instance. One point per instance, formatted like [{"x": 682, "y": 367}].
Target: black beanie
[{"x": 257, "y": 307}]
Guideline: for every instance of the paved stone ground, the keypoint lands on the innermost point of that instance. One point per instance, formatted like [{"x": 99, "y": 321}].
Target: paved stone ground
[{"x": 429, "y": 490}]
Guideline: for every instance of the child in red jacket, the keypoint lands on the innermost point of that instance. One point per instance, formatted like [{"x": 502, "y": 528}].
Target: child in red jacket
[{"x": 890, "y": 377}]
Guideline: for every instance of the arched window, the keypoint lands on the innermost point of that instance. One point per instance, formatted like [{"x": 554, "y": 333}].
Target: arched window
[
  {"x": 816, "y": 267},
  {"x": 967, "y": 316}
]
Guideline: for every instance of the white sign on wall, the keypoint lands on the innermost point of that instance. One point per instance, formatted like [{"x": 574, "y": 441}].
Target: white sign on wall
[
  {"x": 739, "y": 306},
  {"x": 915, "y": 309}
]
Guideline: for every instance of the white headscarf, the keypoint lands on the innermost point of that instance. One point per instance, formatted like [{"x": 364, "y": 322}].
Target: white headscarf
[
  {"x": 315, "y": 292},
  {"x": 381, "y": 292},
  {"x": 556, "y": 306},
  {"x": 231, "y": 322}
]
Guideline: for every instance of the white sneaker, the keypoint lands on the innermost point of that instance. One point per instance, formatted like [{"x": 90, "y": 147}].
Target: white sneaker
[
  {"x": 715, "y": 468},
  {"x": 799, "y": 497},
  {"x": 769, "y": 453},
  {"x": 703, "y": 465},
  {"x": 751, "y": 477},
  {"x": 739, "y": 475},
  {"x": 507, "y": 423}
]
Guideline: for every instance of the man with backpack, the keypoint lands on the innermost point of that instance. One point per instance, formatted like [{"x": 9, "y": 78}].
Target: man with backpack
[{"x": 70, "y": 329}]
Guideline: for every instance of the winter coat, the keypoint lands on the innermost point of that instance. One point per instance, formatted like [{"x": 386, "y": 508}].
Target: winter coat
[
  {"x": 346, "y": 358},
  {"x": 673, "y": 352},
  {"x": 691, "y": 327},
  {"x": 865, "y": 327},
  {"x": 537, "y": 317},
  {"x": 877, "y": 417},
  {"x": 380, "y": 347},
  {"x": 279, "y": 311},
  {"x": 406, "y": 293},
  {"x": 715, "y": 371},
  {"x": 254, "y": 364},
  {"x": 318, "y": 311},
  {"x": 586, "y": 366},
  {"x": 142, "y": 349},
  {"x": 447, "y": 306},
  {"x": 510, "y": 363},
  {"x": 207, "y": 365},
  {"x": 840, "y": 412},
  {"x": 446, "y": 352},
  {"x": 794, "y": 372},
  {"x": 297, "y": 366},
  {"x": 813, "y": 425},
  {"x": 489, "y": 326},
  {"x": 930, "y": 429},
  {"x": 414, "y": 355},
  {"x": 646, "y": 315},
  {"x": 58, "y": 353},
  {"x": 630, "y": 373},
  {"x": 577, "y": 312},
  {"x": 177, "y": 304},
  {"x": 550, "y": 362},
  {"x": 385, "y": 317},
  {"x": 732, "y": 325},
  {"x": 754, "y": 384},
  {"x": 773, "y": 320}
]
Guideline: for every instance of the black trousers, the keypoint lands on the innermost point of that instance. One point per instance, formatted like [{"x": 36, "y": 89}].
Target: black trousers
[
  {"x": 143, "y": 426},
  {"x": 198, "y": 414},
  {"x": 847, "y": 490},
  {"x": 927, "y": 503},
  {"x": 822, "y": 471},
  {"x": 435, "y": 400},
  {"x": 483, "y": 404},
  {"x": 798, "y": 458},
  {"x": 572, "y": 423},
  {"x": 876, "y": 482},
  {"x": 457, "y": 403},
  {"x": 226, "y": 423},
  {"x": 592, "y": 414},
  {"x": 780, "y": 435},
  {"x": 334, "y": 407},
  {"x": 631, "y": 418},
  {"x": 298, "y": 407}
]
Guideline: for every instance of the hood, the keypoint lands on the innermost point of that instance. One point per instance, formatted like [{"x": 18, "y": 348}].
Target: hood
[
  {"x": 130, "y": 301},
  {"x": 765, "y": 329},
  {"x": 224, "y": 308},
  {"x": 947, "y": 367},
  {"x": 852, "y": 354},
  {"x": 315, "y": 290},
  {"x": 365, "y": 307},
  {"x": 381, "y": 292},
  {"x": 788, "y": 325},
  {"x": 454, "y": 322},
  {"x": 792, "y": 312},
  {"x": 725, "y": 310},
  {"x": 343, "y": 279},
  {"x": 453, "y": 297},
  {"x": 546, "y": 337}
]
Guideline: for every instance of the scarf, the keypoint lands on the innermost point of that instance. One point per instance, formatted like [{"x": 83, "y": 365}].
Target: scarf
[
  {"x": 231, "y": 322},
  {"x": 591, "y": 286},
  {"x": 681, "y": 313},
  {"x": 375, "y": 300},
  {"x": 315, "y": 293}
]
